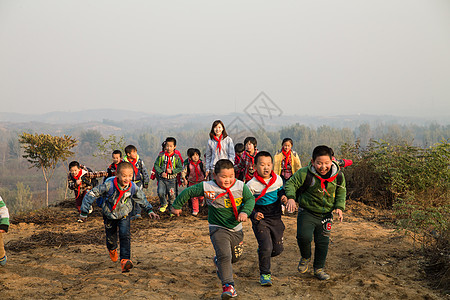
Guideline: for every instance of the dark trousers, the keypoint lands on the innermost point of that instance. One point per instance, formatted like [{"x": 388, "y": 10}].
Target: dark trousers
[
  {"x": 122, "y": 227},
  {"x": 79, "y": 200},
  {"x": 228, "y": 246},
  {"x": 269, "y": 234},
  {"x": 308, "y": 225}
]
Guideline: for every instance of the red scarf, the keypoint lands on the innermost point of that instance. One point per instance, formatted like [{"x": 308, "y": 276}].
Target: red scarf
[
  {"x": 322, "y": 182},
  {"x": 121, "y": 192},
  {"x": 76, "y": 178},
  {"x": 267, "y": 185},
  {"x": 218, "y": 139},
  {"x": 287, "y": 158},
  {"x": 196, "y": 169},
  {"x": 134, "y": 162},
  {"x": 233, "y": 203},
  {"x": 169, "y": 160}
]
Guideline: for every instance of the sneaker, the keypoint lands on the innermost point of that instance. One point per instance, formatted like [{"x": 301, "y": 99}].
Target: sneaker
[
  {"x": 113, "y": 255},
  {"x": 3, "y": 261},
  {"x": 265, "y": 279},
  {"x": 163, "y": 208},
  {"x": 195, "y": 213},
  {"x": 228, "y": 291},
  {"x": 80, "y": 220},
  {"x": 126, "y": 264},
  {"x": 91, "y": 209},
  {"x": 320, "y": 273},
  {"x": 303, "y": 265}
]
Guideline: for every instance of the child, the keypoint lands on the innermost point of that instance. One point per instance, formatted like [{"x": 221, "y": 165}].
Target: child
[
  {"x": 193, "y": 173},
  {"x": 4, "y": 226},
  {"x": 323, "y": 194},
  {"x": 286, "y": 161},
  {"x": 140, "y": 175},
  {"x": 266, "y": 217},
  {"x": 167, "y": 166},
  {"x": 116, "y": 159},
  {"x": 248, "y": 158},
  {"x": 81, "y": 179},
  {"x": 239, "y": 150},
  {"x": 229, "y": 203},
  {"x": 219, "y": 146},
  {"x": 119, "y": 194}
]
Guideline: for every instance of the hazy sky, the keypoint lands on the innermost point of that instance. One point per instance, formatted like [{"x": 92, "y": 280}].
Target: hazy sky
[{"x": 310, "y": 57}]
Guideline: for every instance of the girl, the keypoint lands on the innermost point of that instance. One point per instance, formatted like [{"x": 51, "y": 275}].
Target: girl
[
  {"x": 286, "y": 161},
  {"x": 193, "y": 173},
  {"x": 219, "y": 146}
]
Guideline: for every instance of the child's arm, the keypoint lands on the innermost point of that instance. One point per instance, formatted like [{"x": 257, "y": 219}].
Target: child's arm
[
  {"x": 178, "y": 166},
  {"x": 145, "y": 176},
  {"x": 291, "y": 187},
  {"x": 341, "y": 193},
  {"x": 184, "y": 173},
  {"x": 157, "y": 166},
  {"x": 230, "y": 150},
  {"x": 141, "y": 199},
  {"x": 193, "y": 191},
  {"x": 297, "y": 165},
  {"x": 248, "y": 201},
  {"x": 92, "y": 195},
  {"x": 208, "y": 158},
  {"x": 4, "y": 216},
  {"x": 71, "y": 183}
]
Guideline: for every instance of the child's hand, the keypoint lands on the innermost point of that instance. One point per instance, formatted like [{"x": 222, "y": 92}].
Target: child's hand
[
  {"x": 152, "y": 215},
  {"x": 242, "y": 217},
  {"x": 259, "y": 216},
  {"x": 79, "y": 181},
  {"x": 339, "y": 213},
  {"x": 176, "y": 212},
  {"x": 206, "y": 175},
  {"x": 2, "y": 231},
  {"x": 185, "y": 182},
  {"x": 291, "y": 206},
  {"x": 169, "y": 171},
  {"x": 164, "y": 175},
  {"x": 284, "y": 199}
]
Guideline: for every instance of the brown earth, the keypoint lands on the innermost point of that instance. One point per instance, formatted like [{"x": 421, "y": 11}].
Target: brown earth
[{"x": 50, "y": 256}]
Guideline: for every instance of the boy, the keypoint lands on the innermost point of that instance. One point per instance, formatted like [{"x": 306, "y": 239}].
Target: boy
[
  {"x": 239, "y": 151},
  {"x": 119, "y": 194},
  {"x": 194, "y": 173},
  {"x": 80, "y": 180},
  {"x": 116, "y": 159},
  {"x": 323, "y": 192},
  {"x": 140, "y": 174},
  {"x": 4, "y": 226},
  {"x": 229, "y": 203},
  {"x": 266, "y": 217},
  {"x": 167, "y": 166},
  {"x": 286, "y": 161},
  {"x": 247, "y": 162}
]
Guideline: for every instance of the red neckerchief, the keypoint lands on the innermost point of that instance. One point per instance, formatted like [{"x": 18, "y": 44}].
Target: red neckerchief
[
  {"x": 76, "y": 178},
  {"x": 218, "y": 139},
  {"x": 134, "y": 162},
  {"x": 267, "y": 185},
  {"x": 121, "y": 192},
  {"x": 323, "y": 180},
  {"x": 196, "y": 169},
  {"x": 169, "y": 160},
  {"x": 287, "y": 158},
  {"x": 233, "y": 203}
]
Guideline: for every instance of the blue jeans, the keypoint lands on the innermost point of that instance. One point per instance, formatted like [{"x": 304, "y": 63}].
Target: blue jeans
[
  {"x": 167, "y": 188},
  {"x": 111, "y": 228}
]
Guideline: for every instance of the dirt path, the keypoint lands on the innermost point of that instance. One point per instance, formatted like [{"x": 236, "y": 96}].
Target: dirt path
[{"x": 173, "y": 260}]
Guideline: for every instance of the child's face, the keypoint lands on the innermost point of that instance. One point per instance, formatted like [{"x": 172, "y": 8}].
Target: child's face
[
  {"x": 132, "y": 155},
  {"x": 225, "y": 178},
  {"x": 195, "y": 157},
  {"x": 218, "y": 129},
  {"x": 322, "y": 164},
  {"x": 170, "y": 147},
  {"x": 250, "y": 148},
  {"x": 264, "y": 166},
  {"x": 287, "y": 146},
  {"x": 125, "y": 176},
  {"x": 116, "y": 158},
  {"x": 74, "y": 171}
]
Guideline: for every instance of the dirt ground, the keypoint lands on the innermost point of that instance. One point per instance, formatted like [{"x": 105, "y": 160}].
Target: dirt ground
[{"x": 50, "y": 256}]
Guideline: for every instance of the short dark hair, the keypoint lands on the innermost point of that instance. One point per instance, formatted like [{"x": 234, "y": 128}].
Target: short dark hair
[
  {"x": 214, "y": 124},
  {"x": 190, "y": 152},
  {"x": 223, "y": 164},
  {"x": 239, "y": 147},
  {"x": 262, "y": 154},
  {"x": 124, "y": 165},
  {"x": 193, "y": 152},
  {"x": 250, "y": 139},
  {"x": 130, "y": 148},
  {"x": 117, "y": 152},
  {"x": 287, "y": 140},
  {"x": 322, "y": 150},
  {"x": 74, "y": 164},
  {"x": 170, "y": 139}
]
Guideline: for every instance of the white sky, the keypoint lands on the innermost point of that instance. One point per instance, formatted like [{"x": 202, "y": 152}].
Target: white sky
[{"x": 310, "y": 57}]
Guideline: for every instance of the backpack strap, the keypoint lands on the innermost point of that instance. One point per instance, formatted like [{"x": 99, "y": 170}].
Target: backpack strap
[{"x": 308, "y": 180}]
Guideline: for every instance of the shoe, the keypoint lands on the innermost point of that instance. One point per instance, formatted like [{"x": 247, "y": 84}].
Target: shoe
[
  {"x": 303, "y": 265},
  {"x": 228, "y": 291},
  {"x": 320, "y": 273},
  {"x": 3, "y": 261},
  {"x": 265, "y": 279},
  {"x": 91, "y": 209},
  {"x": 126, "y": 264},
  {"x": 80, "y": 220},
  {"x": 163, "y": 208},
  {"x": 195, "y": 213},
  {"x": 113, "y": 255},
  {"x": 172, "y": 215}
]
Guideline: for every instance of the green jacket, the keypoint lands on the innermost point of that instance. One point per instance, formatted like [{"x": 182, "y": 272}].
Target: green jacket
[
  {"x": 4, "y": 216},
  {"x": 314, "y": 199},
  {"x": 160, "y": 166}
]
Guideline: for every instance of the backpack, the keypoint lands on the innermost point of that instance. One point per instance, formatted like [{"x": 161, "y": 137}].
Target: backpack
[
  {"x": 111, "y": 190},
  {"x": 308, "y": 180}
]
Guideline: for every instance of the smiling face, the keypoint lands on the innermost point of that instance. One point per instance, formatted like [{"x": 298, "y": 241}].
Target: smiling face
[
  {"x": 132, "y": 155},
  {"x": 125, "y": 176},
  {"x": 218, "y": 130},
  {"x": 116, "y": 158},
  {"x": 74, "y": 171},
  {"x": 264, "y": 166},
  {"x": 287, "y": 146},
  {"x": 250, "y": 148},
  {"x": 225, "y": 178},
  {"x": 170, "y": 147},
  {"x": 322, "y": 164}
]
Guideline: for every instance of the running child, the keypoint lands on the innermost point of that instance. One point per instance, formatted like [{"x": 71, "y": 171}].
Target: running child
[
  {"x": 219, "y": 146},
  {"x": 194, "y": 173},
  {"x": 286, "y": 161},
  {"x": 4, "y": 226},
  {"x": 247, "y": 163}
]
